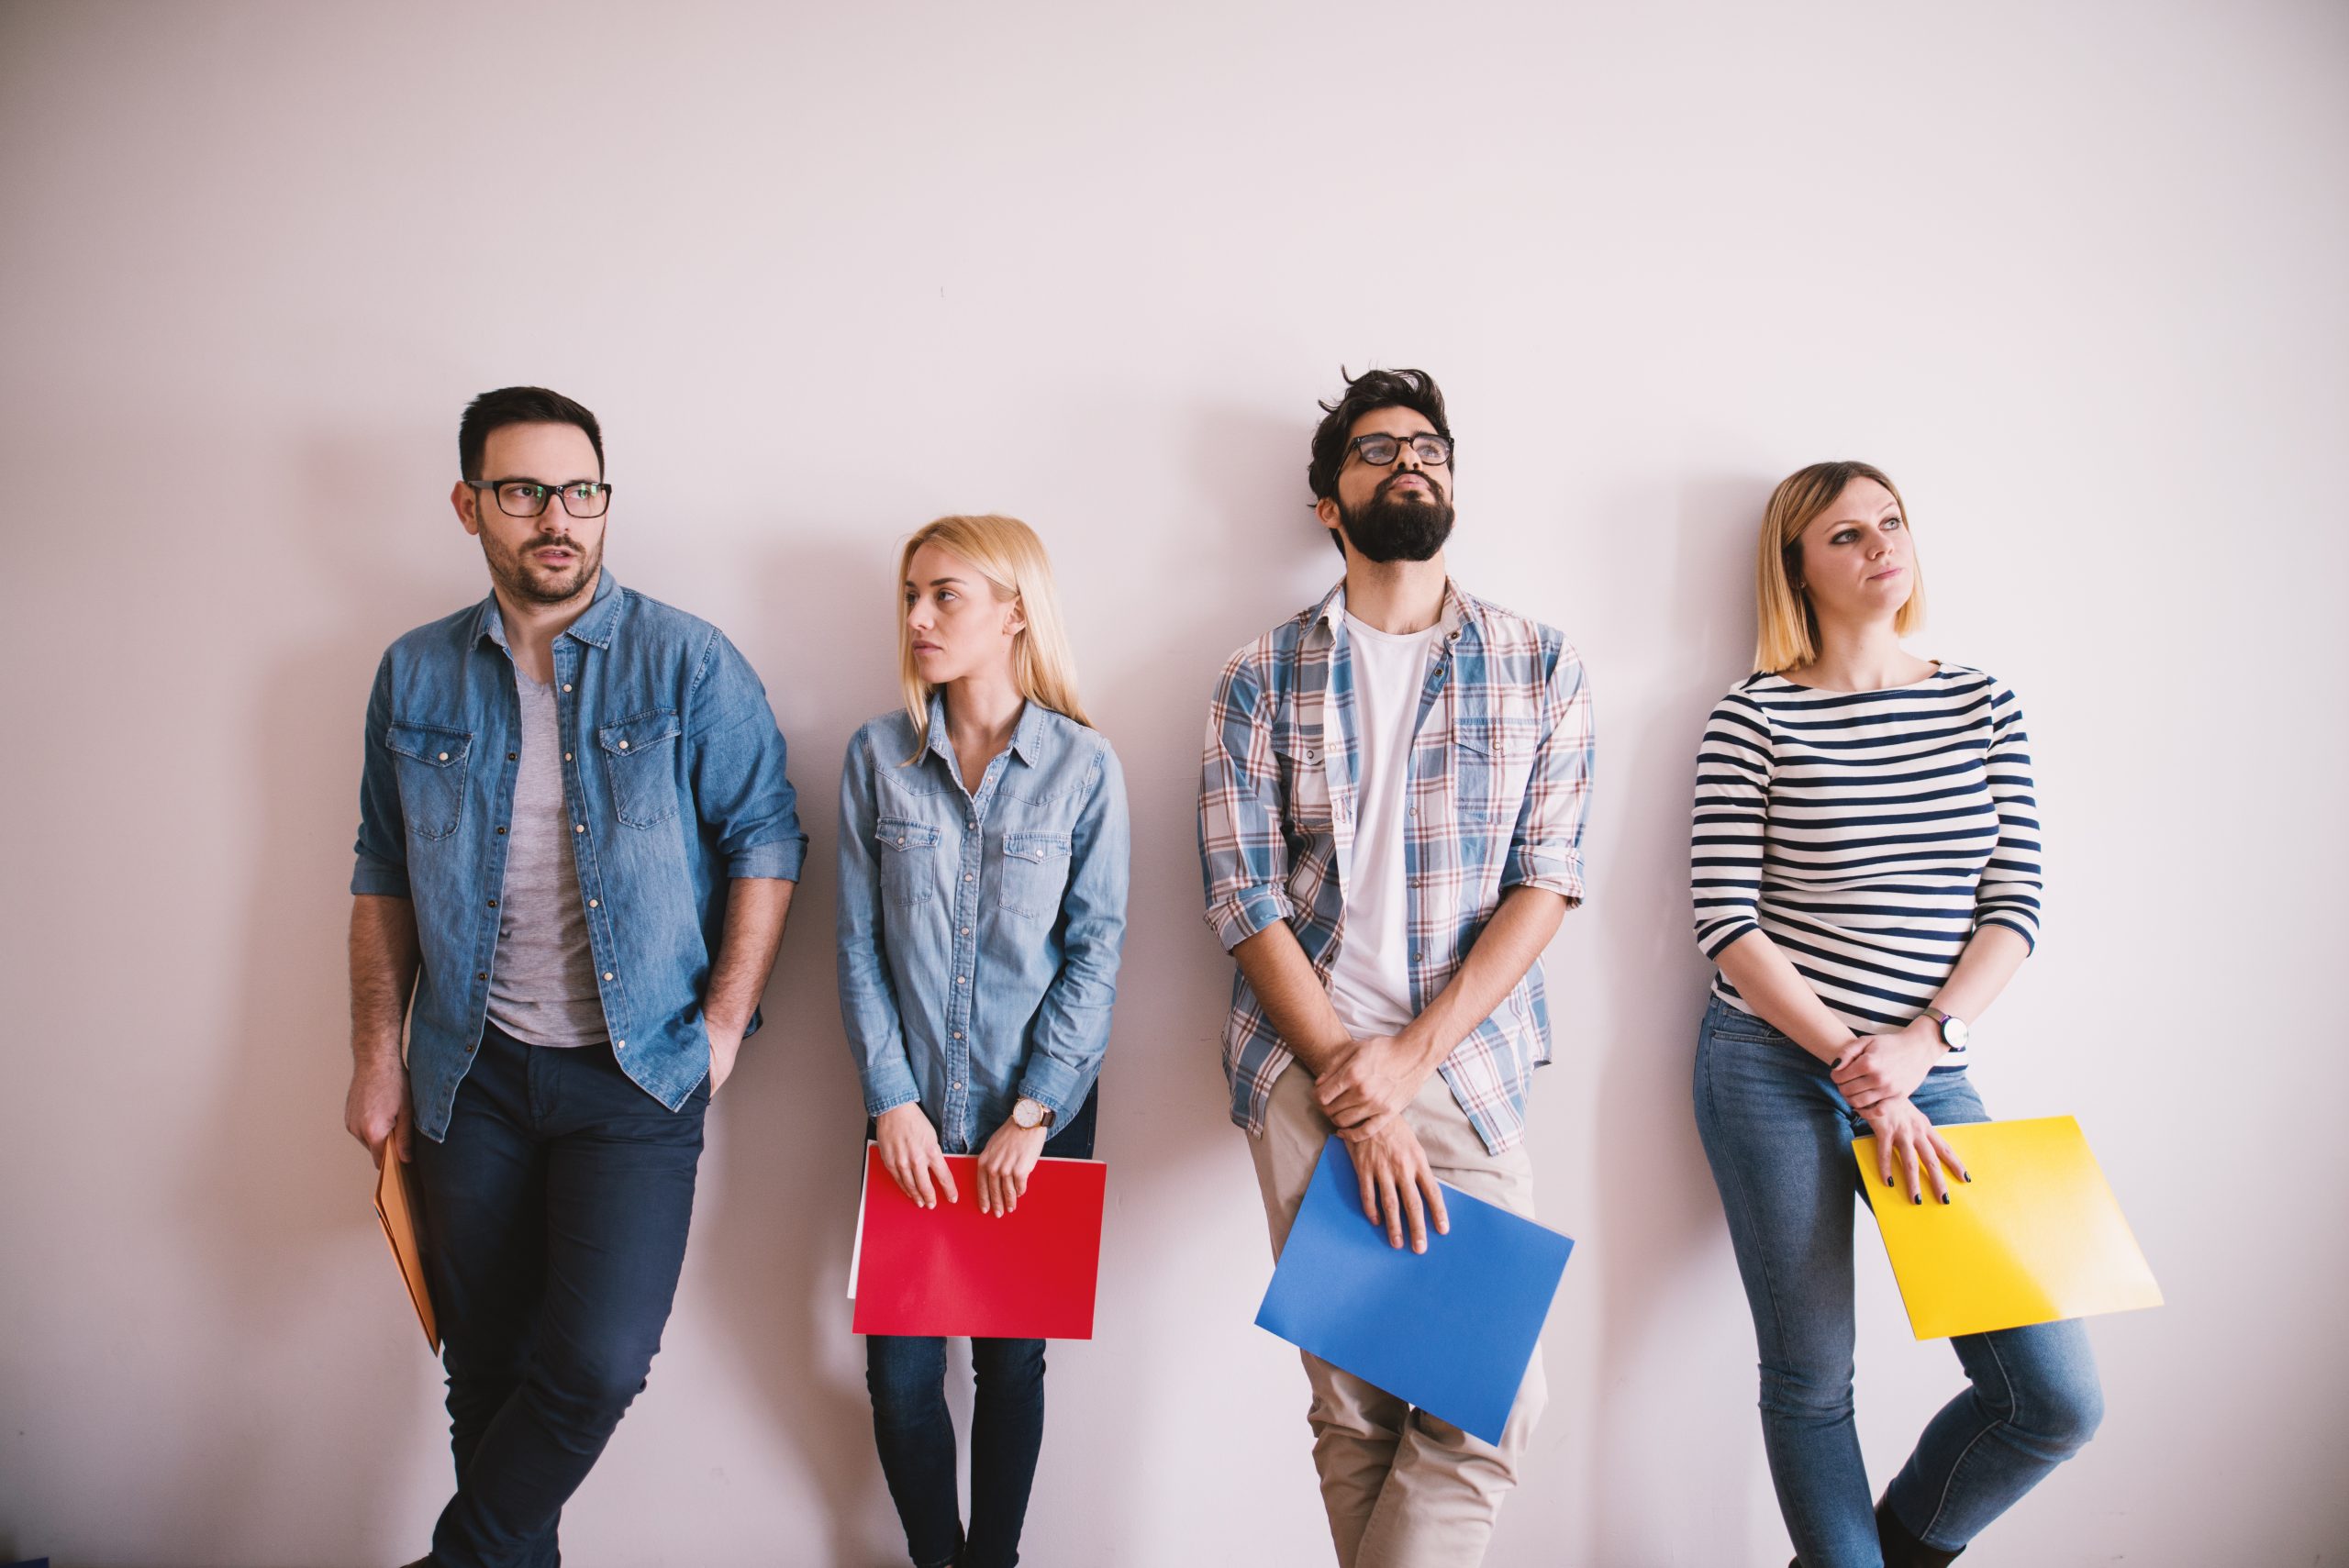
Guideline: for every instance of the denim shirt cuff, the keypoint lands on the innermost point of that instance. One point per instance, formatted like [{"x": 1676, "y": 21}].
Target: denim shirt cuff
[
  {"x": 379, "y": 879},
  {"x": 780, "y": 859},
  {"x": 885, "y": 1091},
  {"x": 1051, "y": 1083}
]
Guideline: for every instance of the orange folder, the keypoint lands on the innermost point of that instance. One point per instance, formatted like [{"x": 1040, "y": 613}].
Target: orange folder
[
  {"x": 2035, "y": 1235},
  {"x": 397, "y": 1205}
]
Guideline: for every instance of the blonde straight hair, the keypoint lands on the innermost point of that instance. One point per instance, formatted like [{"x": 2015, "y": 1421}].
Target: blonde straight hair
[
  {"x": 1006, "y": 553},
  {"x": 1786, "y": 626}
]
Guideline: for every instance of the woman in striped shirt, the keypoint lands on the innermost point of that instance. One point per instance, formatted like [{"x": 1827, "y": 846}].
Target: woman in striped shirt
[{"x": 1865, "y": 865}]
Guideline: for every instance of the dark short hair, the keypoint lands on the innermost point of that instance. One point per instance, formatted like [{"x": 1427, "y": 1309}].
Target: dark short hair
[
  {"x": 1415, "y": 390},
  {"x": 519, "y": 406}
]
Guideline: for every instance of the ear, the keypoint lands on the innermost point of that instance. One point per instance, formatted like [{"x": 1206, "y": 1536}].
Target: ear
[
  {"x": 1326, "y": 509},
  {"x": 465, "y": 498}
]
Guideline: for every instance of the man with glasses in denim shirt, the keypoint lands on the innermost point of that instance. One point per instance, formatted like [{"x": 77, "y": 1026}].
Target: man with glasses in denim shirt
[
  {"x": 1391, "y": 811},
  {"x": 576, "y": 850}
]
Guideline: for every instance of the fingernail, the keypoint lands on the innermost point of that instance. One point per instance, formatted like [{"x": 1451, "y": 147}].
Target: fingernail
[
  {"x": 1967, "y": 1174},
  {"x": 1887, "y": 1180},
  {"x": 1916, "y": 1197},
  {"x": 1944, "y": 1197}
]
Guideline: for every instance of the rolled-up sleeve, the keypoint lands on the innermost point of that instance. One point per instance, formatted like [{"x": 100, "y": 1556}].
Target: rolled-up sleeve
[
  {"x": 1546, "y": 849},
  {"x": 1072, "y": 1027},
  {"x": 1243, "y": 856},
  {"x": 381, "y": 869},
  {"x": 877, "y": 1036},
  {"x": 741, "y": 788}
]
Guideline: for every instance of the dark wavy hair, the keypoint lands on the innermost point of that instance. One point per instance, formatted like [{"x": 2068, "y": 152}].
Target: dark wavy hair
[
  {"x": 1415, "y": 390},
  {"x": 519, "y": 406}
]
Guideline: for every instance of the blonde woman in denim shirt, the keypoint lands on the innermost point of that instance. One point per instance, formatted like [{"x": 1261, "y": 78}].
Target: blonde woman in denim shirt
[{"x": 983, "y": 902}]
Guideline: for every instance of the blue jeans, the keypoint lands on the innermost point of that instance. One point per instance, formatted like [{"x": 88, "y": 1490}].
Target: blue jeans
[
  {"x": 914, "y": 1432},
  {"x": 556, "y": 1214},
  {"x": 1778, "y": 1135}
]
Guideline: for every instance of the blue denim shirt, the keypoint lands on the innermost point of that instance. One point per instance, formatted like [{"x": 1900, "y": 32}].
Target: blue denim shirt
[
  {"x": 673, "y": 771},
  {"x": 979, "y": 930}
]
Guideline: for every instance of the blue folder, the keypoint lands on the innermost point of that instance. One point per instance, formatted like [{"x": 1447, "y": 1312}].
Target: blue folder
[{"x": 1450, "y": 1329}]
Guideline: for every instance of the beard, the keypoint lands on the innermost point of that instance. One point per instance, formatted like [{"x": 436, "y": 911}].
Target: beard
[
  {"x": 1398, "y": 525},
  {"x": 527, "y": 583}
]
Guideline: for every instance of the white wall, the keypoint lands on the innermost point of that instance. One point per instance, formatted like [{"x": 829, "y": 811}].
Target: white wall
[{"x": 2072, "y": 272}]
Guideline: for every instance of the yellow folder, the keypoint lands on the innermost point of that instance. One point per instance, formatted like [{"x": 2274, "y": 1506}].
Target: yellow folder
[
  {"x": 2035, "y": 1235},
  {"x": 396, "y": 1204}
]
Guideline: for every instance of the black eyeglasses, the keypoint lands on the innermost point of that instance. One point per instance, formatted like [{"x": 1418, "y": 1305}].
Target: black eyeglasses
[
  {"x": 527, "y": 497},
  {"x": 1426, "y": 445}
]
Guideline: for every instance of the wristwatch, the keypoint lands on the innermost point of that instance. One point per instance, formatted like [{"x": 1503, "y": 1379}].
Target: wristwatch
[
  {"x": 1028, "y": 1115},
  {"x": 1954, "y": 1030}
]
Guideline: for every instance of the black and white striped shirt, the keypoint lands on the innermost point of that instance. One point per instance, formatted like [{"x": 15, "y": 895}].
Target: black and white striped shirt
[{"x": 1869, "y": 834}]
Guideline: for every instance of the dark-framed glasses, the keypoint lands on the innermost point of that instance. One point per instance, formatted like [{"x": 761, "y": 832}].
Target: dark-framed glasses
[
  {"x": 527, "y": 497},
  {"x": 1431, "y": 450}
]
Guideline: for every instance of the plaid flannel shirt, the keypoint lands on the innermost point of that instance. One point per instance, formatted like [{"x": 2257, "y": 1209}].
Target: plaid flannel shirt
[{"x": 1500, "y": 785}]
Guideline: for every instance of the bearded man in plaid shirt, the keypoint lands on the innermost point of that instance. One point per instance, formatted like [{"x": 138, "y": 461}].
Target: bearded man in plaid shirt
[{"x": 1391, "y": 810}]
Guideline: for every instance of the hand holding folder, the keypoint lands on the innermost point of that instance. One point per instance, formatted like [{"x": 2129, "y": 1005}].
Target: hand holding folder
[
  {"x": 1028, "y": 1274},
  {"x": 1452, "y": 1329},
  {"x": 2035, "y": 1235}
]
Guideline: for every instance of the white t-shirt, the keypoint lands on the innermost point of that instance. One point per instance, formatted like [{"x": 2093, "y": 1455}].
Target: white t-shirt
[{"x": 1370, "y": 984}]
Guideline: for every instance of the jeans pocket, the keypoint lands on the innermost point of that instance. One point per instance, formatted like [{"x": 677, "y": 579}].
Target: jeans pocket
[
  {"x": 1035, "y": 874},
  {"x": 430, "y": 763},
  {"x": 640, "y": 762}
]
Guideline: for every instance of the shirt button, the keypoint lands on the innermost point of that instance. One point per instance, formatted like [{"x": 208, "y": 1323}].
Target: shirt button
[
  {"x": 566, "y": 756},
  {"x": 901, "y": 839},
  {"x": 972, "y": 823},
  {"x": 493, "y": 903},
  {"x": 579, "y": 827},
  {"x": 608, "y": 974},
  {"x": 445, "y": 756},
  {"x": 1415, "y": 958},
  {"x": 509, "y": 756},
  {"x": 566, "y": 686},
  {"x": 501, "y": 830},
  {"x": 969, "y": 877},
  {"x": 619, "y": 1045},
  {"x": 469, "y": 1047},
  {"x": 481, "y": 974},
  {"x": 958, "y": 1034},
  {"x": 595, "y": 904},
  {"x": 961, "y": 980},
  {"x": 966, "y": 931}
]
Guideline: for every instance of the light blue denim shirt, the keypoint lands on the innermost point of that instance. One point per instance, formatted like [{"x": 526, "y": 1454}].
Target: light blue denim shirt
[
  {"x": 979, "y": 930},
  {"x": 672, "y": 773}
]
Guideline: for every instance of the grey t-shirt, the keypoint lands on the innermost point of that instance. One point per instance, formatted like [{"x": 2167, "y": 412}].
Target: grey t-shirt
[{"x": 542, "y": 982}]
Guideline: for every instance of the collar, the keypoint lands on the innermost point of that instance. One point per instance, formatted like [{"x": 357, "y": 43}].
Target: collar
[
  {"x": 1027, "y": 736},
  {"x": 594, "y": 626},
  {"x": 1459, "y": 610}
]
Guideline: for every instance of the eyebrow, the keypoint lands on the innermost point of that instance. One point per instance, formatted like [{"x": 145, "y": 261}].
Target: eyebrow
[
  {"x": 938, "y": 582},
  {"x": 550, "y": 484}
]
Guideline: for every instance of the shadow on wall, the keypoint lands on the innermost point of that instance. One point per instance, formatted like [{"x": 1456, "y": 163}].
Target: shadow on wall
[
  {"x": 1650, "y": 1035},
  {"x": 283, "y": 1188}
]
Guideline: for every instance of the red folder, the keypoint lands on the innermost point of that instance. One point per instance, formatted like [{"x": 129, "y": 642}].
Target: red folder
[{"x": 1029, "y": 1274}]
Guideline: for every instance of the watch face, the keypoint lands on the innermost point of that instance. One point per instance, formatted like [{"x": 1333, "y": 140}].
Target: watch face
[
  {"x": 1027, "y": 1113},
  {"x": 1953, "y": 1031}
]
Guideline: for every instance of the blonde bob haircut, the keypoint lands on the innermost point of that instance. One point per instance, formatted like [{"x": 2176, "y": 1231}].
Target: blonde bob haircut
[
  {"x": 1006, "y": 553},
  {"x": 1786, "y": 625}
]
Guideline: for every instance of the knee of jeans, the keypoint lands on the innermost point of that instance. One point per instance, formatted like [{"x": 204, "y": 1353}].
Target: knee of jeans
[
  {"x": 2064, "y": 1414},
  {"x": 1821, "y": 1392},
  {"x": 1007, "y": 1362},
  {"x": 904, "y": 1377},
  {"x": 598, "y": 1385}
]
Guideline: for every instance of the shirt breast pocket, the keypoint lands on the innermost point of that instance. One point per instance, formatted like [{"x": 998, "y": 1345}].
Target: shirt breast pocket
[
  {"x": 1305, "y": 788},
  {"x": 430, "y": 763},
  {"x": 640, "y": 762},
  {"x": 908, "y": 861},
  {"x": 1495, "y": 760},
  {"x": 1035, "y": 875}
]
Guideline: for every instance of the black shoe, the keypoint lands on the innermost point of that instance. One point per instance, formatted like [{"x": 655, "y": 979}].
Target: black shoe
[{"x": 1902, "y": 1550}]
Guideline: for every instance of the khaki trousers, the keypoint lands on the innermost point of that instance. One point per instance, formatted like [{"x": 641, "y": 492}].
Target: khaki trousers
[{"x": 1402, "y": 1488}]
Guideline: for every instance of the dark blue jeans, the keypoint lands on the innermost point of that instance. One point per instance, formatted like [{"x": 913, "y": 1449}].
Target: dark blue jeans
[
  {"x": 1778, "y": 1134},
  {"x": 556, "y": 1215},
  {"x": 913, "y": 1430}
]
